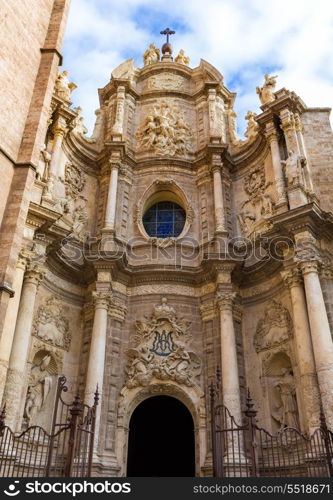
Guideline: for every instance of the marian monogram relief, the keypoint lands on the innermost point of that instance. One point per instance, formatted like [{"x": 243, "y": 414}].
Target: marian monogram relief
[
  {"x": 274, "y": 328},
  {"x": 165, "y": 132},
  {"x": 161, "y": 350}
]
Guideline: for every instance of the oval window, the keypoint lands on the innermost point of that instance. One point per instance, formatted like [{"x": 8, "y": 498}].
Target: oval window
[{"x": 164, "y": 219}]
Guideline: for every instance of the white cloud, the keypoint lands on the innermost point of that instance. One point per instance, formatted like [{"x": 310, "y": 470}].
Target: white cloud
[{"x": 242, "y": 38}]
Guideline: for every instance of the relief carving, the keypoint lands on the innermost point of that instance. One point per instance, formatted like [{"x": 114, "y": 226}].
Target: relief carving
[
  {"x": 51, "y": 324},
  {"x": 274, "y": 328},
  {"x": 75, "y": 182},
  {"x": 166, "y": 82},
  {"x": 165, "y": 132},
  {"x": 258, "y": 208},
  {"x": 161, "y": 350}
]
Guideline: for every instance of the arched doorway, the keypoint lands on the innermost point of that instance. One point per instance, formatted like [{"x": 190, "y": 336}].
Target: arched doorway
[{"x": 161, "y": 439}]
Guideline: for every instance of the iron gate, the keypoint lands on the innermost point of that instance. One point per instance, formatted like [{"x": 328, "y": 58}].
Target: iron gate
[
  {"x": 247, "y": 450},
  {"x": 64, "y": 452}
]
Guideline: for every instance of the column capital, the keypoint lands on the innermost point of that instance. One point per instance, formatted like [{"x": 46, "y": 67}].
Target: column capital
[
  {"x": 114, "y": 164},
  {"x": 292, "y": 277},
  {"x": 102, "y": 300},
  {"x": 34, "y": 273},
  {"x": 117, "y": 310},
  {"x": 298, "y": 123},
  {"x": 225, "y": 300},
  {"x": 271, "y": 132},
  {"x": 311, "y": 266}
]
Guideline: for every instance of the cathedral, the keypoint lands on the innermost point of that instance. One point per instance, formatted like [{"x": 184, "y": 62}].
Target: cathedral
[{"x": 161, "y": 253}]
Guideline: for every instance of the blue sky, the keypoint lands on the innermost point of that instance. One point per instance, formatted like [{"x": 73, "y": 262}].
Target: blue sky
[{"x": 243, "y": 38}]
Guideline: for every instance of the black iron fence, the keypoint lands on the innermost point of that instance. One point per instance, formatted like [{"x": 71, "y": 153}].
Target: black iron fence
[
  {"x": 64, "y": 452},
  {"x": 247, "y": 450}
]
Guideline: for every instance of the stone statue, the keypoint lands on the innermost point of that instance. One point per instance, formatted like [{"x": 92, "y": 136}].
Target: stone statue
[
  {"x": 63, "y": 87},
  {"x": 286, "y": 414},
  {"x": 232, "y": 115},
  {"x": 42, "y": 172},
  {"x": 252, "y": 126},
  {"x": 152, "y": 55},
  {"x": 79, "y": 127},
  {"x": 182, "y": 58},
  {"x": 266, "y": 92},
  {"x": 38, "y": 389},
  {"x": 294, "y": 168}
]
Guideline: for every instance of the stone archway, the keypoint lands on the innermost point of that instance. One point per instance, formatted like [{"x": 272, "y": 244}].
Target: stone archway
[
  {"x": 191, "y": 397},
  {"x": 161, "y": 439}
]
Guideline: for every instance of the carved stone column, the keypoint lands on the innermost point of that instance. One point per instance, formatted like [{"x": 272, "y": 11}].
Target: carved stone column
[
  {"x": 59, "y": 131},
  {"x": 304, "y": 350},
  {"x": 212, "y": 114},
  {"x": 276, "y": 162},
  {"x": 13, "y": 393},
  {"x": 95, "y": 370},
  {"x": 229, "y": 364},
  {"x": 110, "y": 213},
  {"x": 218, "y": 195},
  {"x": 7, "y": 336},
  {"x": 321, "y": 336},
  {"x": 117, "y": 129}
]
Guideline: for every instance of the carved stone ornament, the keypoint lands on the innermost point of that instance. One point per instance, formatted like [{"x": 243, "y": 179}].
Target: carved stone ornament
[
  {"x": 160, "y": 350},
  {"x": 166, "y": 82},
  {"x": 258, "y": 207},
  {"x": 165, "y": 132},
  {"x": 274, "y": 328},
  {"x": 63, "y": 87},
  {"x": 151, "y": 56},
  {"x": 74, "y": 181},
  {"x": 51, "y": 325}
]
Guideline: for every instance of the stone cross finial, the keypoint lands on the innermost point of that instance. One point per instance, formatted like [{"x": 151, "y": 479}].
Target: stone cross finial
[{"x": 167, "y": 32}]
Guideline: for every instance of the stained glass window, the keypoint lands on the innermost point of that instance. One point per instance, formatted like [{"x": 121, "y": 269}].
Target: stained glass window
[{"x": 164, "y": 220}]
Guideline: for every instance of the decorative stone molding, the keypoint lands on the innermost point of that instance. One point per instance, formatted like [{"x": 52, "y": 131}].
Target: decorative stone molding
[
  {"x": 161, "y": 350},
  {"x": 34, "y": 273},
  {"x": 102, "y": 300},
  {"x": 274, "y": 328},
  {"x": 208, "y": 311},
  {"x": 51, "y": 325},
  {"x": 166, "y": 82},
  {"x": 165, "y": 132}
]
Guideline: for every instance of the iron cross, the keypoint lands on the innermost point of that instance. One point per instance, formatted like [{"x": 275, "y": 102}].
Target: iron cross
[{"x": 167, "y": 32}]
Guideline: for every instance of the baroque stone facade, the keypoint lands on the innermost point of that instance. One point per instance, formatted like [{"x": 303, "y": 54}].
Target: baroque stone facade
[{"x": 164, "y": 246}]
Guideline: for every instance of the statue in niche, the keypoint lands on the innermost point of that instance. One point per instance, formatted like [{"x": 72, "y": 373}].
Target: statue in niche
[
  {"x": 286, "y": 412},
  {"x": 182, "y": 58},
  {"x": 160, "y": 349},
  {"x": 266, "y": 92},
  {"x": 39, "y": 387},
  {"x": 151, "y": 56},
  {"x": 63, "y": 87},
  {"x": 293, "y": 167},
  {"x": 274, "y": 328}
]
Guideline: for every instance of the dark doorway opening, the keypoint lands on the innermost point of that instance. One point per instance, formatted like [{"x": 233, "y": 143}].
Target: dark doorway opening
[{"x": 161, "y": 439}]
